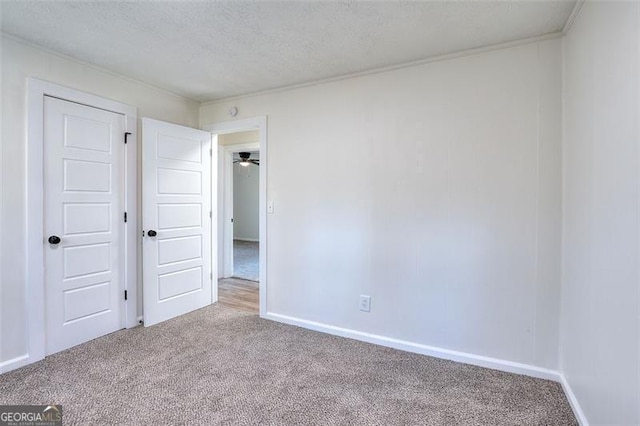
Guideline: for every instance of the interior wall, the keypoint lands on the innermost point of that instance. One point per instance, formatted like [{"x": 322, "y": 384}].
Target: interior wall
[
  {"x": 246, "y": 183},
  {"x": 250, "y": 136},
  {"x": 600, "y": 298},
  {"x": 434, "y": 189},
  {"x": 20, "y": 61}
]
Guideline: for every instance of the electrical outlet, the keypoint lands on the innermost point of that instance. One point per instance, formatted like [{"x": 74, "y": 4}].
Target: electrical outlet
[{"x": 365, "y": 303}]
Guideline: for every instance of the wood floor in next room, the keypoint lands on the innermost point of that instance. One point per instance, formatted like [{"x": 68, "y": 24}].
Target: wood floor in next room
[{"x": 239, "y": 294}]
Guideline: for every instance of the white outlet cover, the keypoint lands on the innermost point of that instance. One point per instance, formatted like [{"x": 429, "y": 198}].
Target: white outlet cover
[{"x": 365, "y": 303}]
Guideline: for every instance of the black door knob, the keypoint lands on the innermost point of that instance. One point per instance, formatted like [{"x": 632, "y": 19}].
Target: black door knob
[
  {"x": 54, "y": 239},
  {"x": 152, "y": 233}
]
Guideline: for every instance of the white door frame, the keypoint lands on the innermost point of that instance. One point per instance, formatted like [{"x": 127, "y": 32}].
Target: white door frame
[
  {"x": 35, "y": 300},
  {"x": 260, "y": 124},
  {"x": 226, "y": 183}
]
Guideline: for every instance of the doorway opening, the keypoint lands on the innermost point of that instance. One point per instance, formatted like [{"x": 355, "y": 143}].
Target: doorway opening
[
  {"x": 245, "y": 186},
  {"x": 239, "y": 255},
  {"x": 223, "y": 233}
]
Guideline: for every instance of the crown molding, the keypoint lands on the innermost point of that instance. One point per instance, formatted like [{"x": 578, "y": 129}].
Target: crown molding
[
  {"x": 92, "y": 66},
  {"x": 437, "y": 58},
  {"x": 577, "y": 7}
]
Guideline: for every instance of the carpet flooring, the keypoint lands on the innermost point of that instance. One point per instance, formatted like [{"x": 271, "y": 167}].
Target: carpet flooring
[
  {"x": 245, "y": 260},
  {"x": 225, "y": 367}
]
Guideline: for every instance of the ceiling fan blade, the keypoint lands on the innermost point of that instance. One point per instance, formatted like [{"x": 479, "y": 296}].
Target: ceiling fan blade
[{"x": 256, "y": 162}]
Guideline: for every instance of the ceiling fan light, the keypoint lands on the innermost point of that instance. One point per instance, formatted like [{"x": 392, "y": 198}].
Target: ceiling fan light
[{"x": 244, "y": 163}]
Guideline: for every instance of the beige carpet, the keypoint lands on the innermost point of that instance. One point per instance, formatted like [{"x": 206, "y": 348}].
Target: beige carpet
[
  {"x": 222, "y": 366},
  {"x": 246, "y": 260}
]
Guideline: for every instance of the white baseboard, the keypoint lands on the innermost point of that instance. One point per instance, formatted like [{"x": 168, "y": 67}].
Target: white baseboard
[
  {"x": 251, "y": 240},
  {"x": 14, "y": 363},
  {"x": 573, "y": 401},
  {"x": 466, "y": 358}
]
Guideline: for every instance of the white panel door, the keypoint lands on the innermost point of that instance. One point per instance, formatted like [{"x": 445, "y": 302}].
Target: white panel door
[
  {"x": 83, "y": 222},
  {"x": 176, "y": 208}
]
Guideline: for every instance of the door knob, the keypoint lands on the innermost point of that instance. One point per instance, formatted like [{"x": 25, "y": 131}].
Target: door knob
[
  {"x": 152, "y": 233},
  {"x": 54, "y": 239}
]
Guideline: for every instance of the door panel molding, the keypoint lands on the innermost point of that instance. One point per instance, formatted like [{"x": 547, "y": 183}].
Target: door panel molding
[
  {"x": 84, "y": 283},
  {"x": 35, "y": 301},
  {"x": 177, "y": 267}
]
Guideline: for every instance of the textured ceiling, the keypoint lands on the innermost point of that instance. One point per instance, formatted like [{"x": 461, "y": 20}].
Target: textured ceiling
[{"x": 209, "y": 50}]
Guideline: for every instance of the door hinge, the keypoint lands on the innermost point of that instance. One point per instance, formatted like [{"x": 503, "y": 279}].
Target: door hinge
[
  {"x": 210, "y": 213},
  {"x": 125, "y": 217},
  {"x": 125, "y": 295},
  {"x": 210, "y": 152},
  {"x": 231, "y": 220},
  {"x": 126, "y": 134},
  {"x": 211, "y": 276}
]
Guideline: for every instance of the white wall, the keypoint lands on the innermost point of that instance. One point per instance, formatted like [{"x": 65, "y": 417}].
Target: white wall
[
  {"x": 20, "y": 61},
  {"x": 246, "y": 182},
  {"x": 434, "y": 189},
  {"x": 600, "y": 316},
  {"x": 250, "y": 136}
]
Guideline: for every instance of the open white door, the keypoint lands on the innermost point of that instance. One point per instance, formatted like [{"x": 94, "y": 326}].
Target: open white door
[{"x": 176, "y": 209}]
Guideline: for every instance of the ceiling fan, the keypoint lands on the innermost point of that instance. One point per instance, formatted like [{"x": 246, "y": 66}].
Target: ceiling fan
[{"x": 245, "y": 160}]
